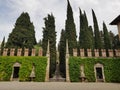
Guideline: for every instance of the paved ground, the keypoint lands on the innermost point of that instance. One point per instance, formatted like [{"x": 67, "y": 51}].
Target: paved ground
[{"x": 58, "y": 86}]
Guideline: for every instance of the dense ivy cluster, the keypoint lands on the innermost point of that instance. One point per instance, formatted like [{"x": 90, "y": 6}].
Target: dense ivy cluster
[
  {"x": 6, "y": 67},
  {"x": 111, "y": 68}
]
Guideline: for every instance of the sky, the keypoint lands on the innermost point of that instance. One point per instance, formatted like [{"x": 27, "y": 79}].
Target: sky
[{"x": 10, "y": 10}]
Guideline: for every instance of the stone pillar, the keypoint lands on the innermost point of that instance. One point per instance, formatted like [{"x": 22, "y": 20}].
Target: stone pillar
[
  {"x": 40, "y": 52},
  {"x": 96, "y": 51},
  {"x": 74, "y": 52},
  {"x": 117, "y": 52},
  {"x": 19, "y": 52},
  {"x": 33, "y": 52},
  {"x": 12, "y": 52},
  {"x": 103, "y": 52},
  {"x": 89, "y": 52},
  {"x": 26, "y": 52},
  {"x": 48, "y": 63},
  {"x": 82, "y": 52},
  {"x": 5, "y": 51},
  {"x": 67, "y": 63},
  {"x": 110, "y": 51}
]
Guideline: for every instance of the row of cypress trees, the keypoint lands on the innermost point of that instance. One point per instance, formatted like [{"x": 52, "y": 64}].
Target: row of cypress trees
[{"x": 87, "y": 38}]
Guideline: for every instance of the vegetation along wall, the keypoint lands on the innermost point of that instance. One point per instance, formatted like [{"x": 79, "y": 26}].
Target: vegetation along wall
[
  {"x": 111, "y": 68},
  {"x": 6, "y": 67}
]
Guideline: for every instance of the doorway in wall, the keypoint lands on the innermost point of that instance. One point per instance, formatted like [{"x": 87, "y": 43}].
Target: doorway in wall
[
  {"x": 99, "y": 72},
  {"x": 16, "y": 72}
]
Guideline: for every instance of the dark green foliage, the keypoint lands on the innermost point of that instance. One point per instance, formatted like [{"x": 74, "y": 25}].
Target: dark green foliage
[
  {"x": 97, "y": 38},
  {"x": 116, "y": 42},
  {"x": 62, "y": 51},
  {"x": 70, "y": 30},
  {"x": 107, "y": 43},
  {"x": 111, "y": 68},
  {"x": 86, "y": 33},
  {"x": 50, "y": 34},
  {"x": 6, "y": 64},
  {"x": 2, "y": 46},
  {"x": 23, "y": 35}
]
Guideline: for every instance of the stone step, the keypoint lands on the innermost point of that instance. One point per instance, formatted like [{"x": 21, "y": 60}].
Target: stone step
[{"x": 57, "y": 80}]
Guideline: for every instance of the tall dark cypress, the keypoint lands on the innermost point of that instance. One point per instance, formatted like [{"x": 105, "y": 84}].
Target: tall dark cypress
[
  {"x": 62, "y": 51},
  {"x": 85, "y": 37},
  {"x": 2, "y": 46},
  {"x": 107, "y": 43},
  {"x": 50, "y": 34},
  {"x": 23, "y": 35},
  {"x": 97, "y": 38},
  {"x": 70, "y": 29}
]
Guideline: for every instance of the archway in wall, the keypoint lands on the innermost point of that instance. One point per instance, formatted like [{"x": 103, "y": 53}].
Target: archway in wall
[
  {"x": 99, "y": 72},
  {"x": 15, "y": 72}
]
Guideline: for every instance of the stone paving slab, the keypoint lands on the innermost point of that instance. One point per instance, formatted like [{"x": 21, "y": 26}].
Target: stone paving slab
[{"x": 57, "y": 86}]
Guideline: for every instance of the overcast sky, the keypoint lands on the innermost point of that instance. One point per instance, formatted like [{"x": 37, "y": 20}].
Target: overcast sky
[{"x": 10, "y": 10}]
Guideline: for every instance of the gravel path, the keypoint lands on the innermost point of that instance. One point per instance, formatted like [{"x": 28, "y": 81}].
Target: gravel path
[{"x": 57, "y": 86}]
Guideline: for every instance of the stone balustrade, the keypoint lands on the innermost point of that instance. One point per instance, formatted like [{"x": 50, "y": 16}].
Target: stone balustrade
[
  {"x": 96, "y": 53},
  {"x": 11, "y": 52}
]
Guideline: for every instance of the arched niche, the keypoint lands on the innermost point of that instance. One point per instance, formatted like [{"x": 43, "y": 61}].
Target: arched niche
[
  {"x": 15, "y": 72},
  {"x": 99, "y": 72}
]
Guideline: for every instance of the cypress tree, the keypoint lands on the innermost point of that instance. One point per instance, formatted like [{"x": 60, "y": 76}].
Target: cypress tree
[
  {"x": 97, "y": 38},
  {"x": 107, "y": 43},
  {"x": 50, "y": 34},
  {"x": 23, "y": 34},
  {"x": 2, "y": 46},
  {"x": 62, "y": 50},
  {"x": 85, "y": 37},
  {"x": 70, "y": 29}
]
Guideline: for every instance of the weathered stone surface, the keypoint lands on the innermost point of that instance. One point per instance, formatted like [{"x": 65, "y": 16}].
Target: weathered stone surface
[
  {"x": 96, "y": 51},
  {"x": 5, "y": 51},
  {"x": 103, "y": 52},
  {"x": 19, "y": 51},
  {"x": 74, "y": 52},
  {"x": 82, "y": 52},
  {"x": 89, "y": 52},
  {"x": 12, "y": 52},
  {"x": 33, "y": 52},
  {"x": 40, "y": 52},
  {"x": 110, "y": 51},
  {"x": 26, "y": 52}
]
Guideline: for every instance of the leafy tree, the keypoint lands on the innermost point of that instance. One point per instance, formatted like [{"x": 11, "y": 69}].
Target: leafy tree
[
  {"x": 97, "y": 38},
  {"x": 23, "y": 34},
  {"x": 62, "y": 50},
  {"x": 70, "y": 29},
  {"x": 2, "y": 46},
  {"x": 50, "y": 34}
]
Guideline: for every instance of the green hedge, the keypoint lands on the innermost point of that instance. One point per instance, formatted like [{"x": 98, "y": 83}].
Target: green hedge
[
  {"x": 111, "y": 68},
  {"x": 6, "y": 66}
]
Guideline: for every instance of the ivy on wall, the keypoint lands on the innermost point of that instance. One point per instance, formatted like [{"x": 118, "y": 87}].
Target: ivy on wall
[
  {"x": 111, "y": 68},
  {"x": 6, "y": 67}
]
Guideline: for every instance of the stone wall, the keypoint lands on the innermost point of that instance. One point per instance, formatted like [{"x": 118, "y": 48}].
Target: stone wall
[
  {"x": 20, "y": 52},
  {"x": 97, "y": 53}
]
